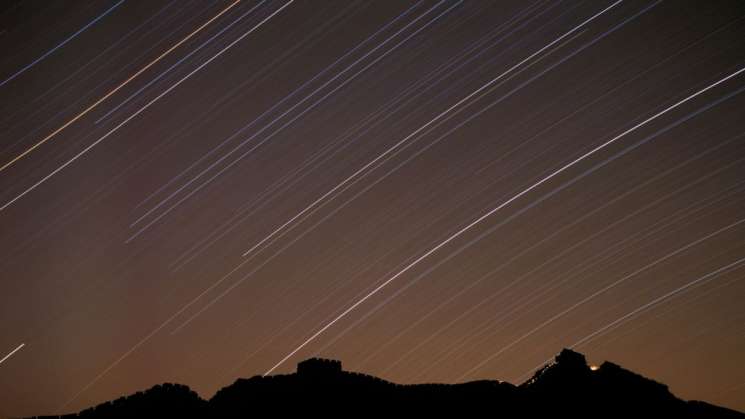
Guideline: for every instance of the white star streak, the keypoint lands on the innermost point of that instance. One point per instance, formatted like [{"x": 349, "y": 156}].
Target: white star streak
[
  {"x": 420, "y": 129},
  {"x": 697, "y": 282},
  {"x": 344, "y": 204},
  {"x": 12, "y": 352},
  {"x": 61, "y": 44},
  {"x": 14, "y": 116},
  {"x": 374, "y": 119},
  {"x": 596, "y": 293},
  {"x": 344, "y": 183},
  {"x": 541, "y": 199},
  {"x": 174, "y": 65},
  {"x": 107, "y": 95},
  {"x": 494, "y": 210},
  {"x": 625, "y": 278},
  {"x": 453, "y": 129},
  {"x": 270, "y": 136},
  {"x": 122, "y": 357},
  {"x": 528, "y": 249},
  {"x": 477, "y": 221},
  {"x": 277, "y": 105},
  {"x": 657, "y": 229},
  {"x": 143, "y": 108},
  {"x": 311, "y": 39},
  {"x": 700, "y": 281}
]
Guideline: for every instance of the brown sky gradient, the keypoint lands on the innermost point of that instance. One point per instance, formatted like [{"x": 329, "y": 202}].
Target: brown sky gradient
[{"x": 101, "y": 263}]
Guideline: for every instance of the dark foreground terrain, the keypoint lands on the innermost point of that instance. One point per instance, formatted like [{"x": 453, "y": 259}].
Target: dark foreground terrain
[{"x": 565, "y": 388}]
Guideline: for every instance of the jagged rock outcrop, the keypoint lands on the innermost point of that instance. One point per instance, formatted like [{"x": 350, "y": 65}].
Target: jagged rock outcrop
[{"x": 568, "y": 387}]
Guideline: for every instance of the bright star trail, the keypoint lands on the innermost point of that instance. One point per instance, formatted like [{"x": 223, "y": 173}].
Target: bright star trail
[
  {"x": 11, "y": 353},
  {"x": 429, "y": 191},
  {"x": 114, "y": 90},
  {"x": 60, "y": 45}
]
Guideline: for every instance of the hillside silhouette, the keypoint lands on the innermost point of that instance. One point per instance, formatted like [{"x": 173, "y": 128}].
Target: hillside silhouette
[{"x": 567, "y": 387}]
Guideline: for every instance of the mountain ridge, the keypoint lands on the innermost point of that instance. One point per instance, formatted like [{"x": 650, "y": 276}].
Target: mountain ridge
[{"x": 567, "y": 387}]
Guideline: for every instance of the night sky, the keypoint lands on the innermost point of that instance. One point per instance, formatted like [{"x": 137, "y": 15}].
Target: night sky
[{"x": 195, "y": 191}]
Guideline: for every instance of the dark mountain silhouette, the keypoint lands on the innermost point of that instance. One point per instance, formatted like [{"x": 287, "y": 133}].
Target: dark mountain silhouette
[{"x": 568, "y": 387}]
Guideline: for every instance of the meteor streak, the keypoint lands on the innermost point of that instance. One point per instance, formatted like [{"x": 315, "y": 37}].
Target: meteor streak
[
  {"x": 509, "y": 201},
  {"x": 111, "y": 92}
]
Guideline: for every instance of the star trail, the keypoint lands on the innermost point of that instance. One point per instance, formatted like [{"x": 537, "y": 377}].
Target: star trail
[{"x": 431, "y": 191}]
